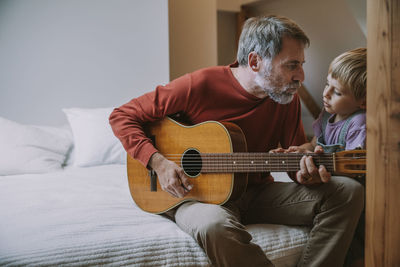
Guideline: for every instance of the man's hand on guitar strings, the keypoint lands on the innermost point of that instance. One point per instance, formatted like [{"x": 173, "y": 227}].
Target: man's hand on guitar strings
[{"x": 170, "y": 176}]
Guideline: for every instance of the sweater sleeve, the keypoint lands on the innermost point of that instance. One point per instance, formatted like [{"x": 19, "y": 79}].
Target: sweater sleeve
[
  {"x": 294, "y": 134},
  {"x": 128, "y": 120}
]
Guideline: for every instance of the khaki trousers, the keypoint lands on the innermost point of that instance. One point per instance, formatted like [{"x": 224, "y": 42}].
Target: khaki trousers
[{"x": 331, "y": 210}]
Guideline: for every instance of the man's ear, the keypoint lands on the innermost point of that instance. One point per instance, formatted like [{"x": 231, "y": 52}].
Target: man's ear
[{"x": 254, "y": 61}]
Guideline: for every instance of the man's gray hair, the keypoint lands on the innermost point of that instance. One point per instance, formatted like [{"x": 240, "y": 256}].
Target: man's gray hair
[{"x": 264, "y": 35}]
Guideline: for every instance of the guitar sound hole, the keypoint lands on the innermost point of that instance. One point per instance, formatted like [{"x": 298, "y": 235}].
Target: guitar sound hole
[{"x": 191, "y": 162}]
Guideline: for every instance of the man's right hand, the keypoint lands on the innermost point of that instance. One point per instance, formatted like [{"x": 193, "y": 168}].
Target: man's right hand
[{"x": 170, "y": 176}]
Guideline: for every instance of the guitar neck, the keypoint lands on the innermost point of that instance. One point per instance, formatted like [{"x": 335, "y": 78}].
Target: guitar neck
[{"x": 261, "y": 162}]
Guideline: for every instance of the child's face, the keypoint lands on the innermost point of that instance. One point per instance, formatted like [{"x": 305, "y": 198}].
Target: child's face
[{"x": 340, "y": 100}]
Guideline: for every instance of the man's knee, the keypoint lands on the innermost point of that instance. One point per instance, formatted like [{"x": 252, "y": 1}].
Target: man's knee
[
  {"x": 350, "y": 192},
  {"x": 227, "y": 243},
  {"x": 221, "y": 229},
  {"x": 207, "y": 222}
]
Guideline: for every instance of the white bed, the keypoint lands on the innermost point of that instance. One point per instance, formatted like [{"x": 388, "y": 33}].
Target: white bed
[{"x": 83, "y": 214}]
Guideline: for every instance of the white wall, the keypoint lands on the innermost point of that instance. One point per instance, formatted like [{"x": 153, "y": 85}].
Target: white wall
[
  {"x": 78, "y": 53},
  {"x": 332, "y": 29},
  {"x": 359, "y": 8}
]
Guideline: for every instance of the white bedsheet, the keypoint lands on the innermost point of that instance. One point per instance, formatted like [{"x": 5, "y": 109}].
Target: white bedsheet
[{"x": 86, "y": 216}]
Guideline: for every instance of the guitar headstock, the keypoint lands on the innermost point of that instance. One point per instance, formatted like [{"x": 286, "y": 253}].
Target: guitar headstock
[{"x": 350, "y": 161}]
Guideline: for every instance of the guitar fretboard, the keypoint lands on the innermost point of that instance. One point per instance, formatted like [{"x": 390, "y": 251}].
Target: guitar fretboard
[{"x": 260, "y": 162}]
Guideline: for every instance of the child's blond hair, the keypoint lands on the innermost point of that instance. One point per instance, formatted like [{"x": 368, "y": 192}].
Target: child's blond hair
[{"x": 350, "y": 69}]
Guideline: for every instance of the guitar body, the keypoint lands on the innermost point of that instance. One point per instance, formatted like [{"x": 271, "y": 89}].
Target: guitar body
[{"x": 172, "y": 138}]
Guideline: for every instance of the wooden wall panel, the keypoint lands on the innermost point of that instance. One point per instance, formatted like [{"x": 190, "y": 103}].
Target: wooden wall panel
[
  {"x": 383, "y": 137},
  {"x": 192, "y": 35}
]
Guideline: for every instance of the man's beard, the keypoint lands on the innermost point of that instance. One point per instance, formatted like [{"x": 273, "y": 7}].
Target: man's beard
[
  {"x": 275, "y": 88},
  {"x": 281, "y": 95}
]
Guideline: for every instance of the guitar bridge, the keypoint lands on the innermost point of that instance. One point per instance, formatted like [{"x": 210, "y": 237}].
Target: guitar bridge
[
  {"x": 153, "y": 181},
  {"x": 152, "y": 173}
]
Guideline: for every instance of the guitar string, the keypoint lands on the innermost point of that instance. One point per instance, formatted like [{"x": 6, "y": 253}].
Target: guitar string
[
  {"x": 195, "y": 159},
  {"x": 229, "y": 156},
  {"x": 247, "y": 162},
  {"x": 279, "y": 162},
  {"x": 196, "y": 164},
  {"x": 210, "y": 164},
  {"x": 259, "y": 159},
  {"x": 263, "y": 159},
  {"x": 255, "y": 169},
  {"x": 274, "y": 156},
  {"x": 227, "y": 164},
  {"x": 256, "y": 161},
  {"x": 222, "y": 161},
  {"x": 266, "y": 154},
  {"x": 252, "y": 165}
]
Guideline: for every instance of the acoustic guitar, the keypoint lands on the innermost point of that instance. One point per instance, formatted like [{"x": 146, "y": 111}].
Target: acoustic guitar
[{"x": 213, "y": 154}]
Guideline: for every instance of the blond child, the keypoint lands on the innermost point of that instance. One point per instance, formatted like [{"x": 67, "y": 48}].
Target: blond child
[{"x": 341, "y": 124}]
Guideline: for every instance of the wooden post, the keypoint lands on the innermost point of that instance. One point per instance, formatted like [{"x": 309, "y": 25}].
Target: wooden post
[{"x": 383, "y": 136}]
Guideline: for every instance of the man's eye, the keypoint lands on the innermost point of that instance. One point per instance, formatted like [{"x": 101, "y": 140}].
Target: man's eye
[{"x": 292, "y": 67}]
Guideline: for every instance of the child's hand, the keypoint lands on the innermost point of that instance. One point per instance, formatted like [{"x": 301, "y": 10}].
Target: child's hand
[
  {"x": 319, "y": 149},
  {"x": 292, "y": 149},
  {"x": 297, "y": 149},
  {"x": 278, "y": 150}
]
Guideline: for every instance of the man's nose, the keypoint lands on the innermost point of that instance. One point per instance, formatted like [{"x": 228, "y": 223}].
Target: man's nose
[{"x": 299, "y": 76}]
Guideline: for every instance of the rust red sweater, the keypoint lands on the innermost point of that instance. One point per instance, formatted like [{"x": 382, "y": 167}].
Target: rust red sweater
[{"x": 209, "y": 94}]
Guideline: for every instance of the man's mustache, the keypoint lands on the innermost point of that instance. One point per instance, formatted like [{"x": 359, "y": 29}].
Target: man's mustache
[{"x": 296, "y": 85}]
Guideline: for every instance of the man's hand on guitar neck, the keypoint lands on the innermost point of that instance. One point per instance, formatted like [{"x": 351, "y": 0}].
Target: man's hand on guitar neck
[
  {"x": 309, "y": 173},
  {"x": 170, "y": 176}
]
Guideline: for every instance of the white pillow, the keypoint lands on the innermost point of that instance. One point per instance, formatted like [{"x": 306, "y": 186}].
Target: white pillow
[
  {"x": 63, "y": 132},
  {"x": 30, "y": 149},
  {"x": 94, "y": 141}
]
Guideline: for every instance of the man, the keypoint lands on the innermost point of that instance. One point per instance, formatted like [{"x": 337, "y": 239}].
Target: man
[{"x": 258, "y": 93}]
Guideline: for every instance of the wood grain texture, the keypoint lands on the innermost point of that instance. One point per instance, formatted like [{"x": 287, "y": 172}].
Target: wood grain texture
[
  {"x": 209, "y": 137},
  {"x": 383, "y": 136}
]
